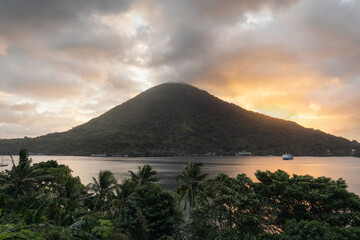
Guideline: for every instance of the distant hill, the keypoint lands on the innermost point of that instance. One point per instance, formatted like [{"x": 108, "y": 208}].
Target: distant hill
[{"x": 175, "y": 119}]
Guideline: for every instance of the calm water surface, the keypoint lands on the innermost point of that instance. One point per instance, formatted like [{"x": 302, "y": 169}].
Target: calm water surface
[{"x": 347, "y": 168}]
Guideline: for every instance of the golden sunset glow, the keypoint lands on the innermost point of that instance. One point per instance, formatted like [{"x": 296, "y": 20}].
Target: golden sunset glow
[{"x": 286, "y": 59}]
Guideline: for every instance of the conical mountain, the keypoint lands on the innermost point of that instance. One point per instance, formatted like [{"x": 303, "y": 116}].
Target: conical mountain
[{"x": 175, "y": 119}]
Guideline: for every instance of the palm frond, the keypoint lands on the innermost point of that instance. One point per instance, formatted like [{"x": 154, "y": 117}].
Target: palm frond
[{"x": 40, "y": 211}]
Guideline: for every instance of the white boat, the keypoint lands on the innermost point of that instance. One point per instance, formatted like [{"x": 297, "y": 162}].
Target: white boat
[
  {"x": 287, "y": 156},
  {"x": 3, "y": 164}
]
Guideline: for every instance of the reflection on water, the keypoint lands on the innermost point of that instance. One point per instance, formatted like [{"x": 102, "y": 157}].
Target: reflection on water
[{"x": 334, "y": 167}]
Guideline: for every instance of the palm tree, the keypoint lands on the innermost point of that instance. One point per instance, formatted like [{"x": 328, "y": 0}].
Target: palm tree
[
  {"x": 103, "y": 188},
  {"x": 145, "y": 175},
  {"x": 21, "y": 177},
  {"x": 68, "y": 205},
  {"x": 191, "y": 177},
  {"x": 123, "y": 191}
]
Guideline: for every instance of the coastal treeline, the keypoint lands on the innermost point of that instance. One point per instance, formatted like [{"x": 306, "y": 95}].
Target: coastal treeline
[{"x": 44, "y": 201}]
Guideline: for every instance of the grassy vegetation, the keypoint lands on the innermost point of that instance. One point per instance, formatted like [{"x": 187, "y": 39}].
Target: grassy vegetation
[{"x": 178, "y": 119}]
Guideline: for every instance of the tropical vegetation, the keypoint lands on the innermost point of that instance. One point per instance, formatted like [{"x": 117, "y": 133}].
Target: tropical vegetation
[
  {"x": 191, "y": 178},
  {"x": 44, "y": 201}
]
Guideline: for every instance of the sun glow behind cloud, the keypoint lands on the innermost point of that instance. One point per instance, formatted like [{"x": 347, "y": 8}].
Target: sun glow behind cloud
[
  {"x": 126, "y": 23},
  {"x": 258, "y": 19},
  {"x": 289, "y": 91},
  {"x": 291, "y": 59}
]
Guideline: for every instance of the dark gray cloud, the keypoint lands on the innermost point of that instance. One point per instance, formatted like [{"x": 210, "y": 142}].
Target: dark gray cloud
[
  {"x": 323, "y": 33},
  {"x": 92, "y": 55},
  {"x": 307, "y": 49},
  {"x": 195, "y": 26},
  {"x": 35, "y": 15},
  {"x": 334, "y": 37},
  {"x": 215, "y": 12}
]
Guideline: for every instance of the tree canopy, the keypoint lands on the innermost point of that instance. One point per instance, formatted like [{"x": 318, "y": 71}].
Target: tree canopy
[{"x": 44, "y": 201}]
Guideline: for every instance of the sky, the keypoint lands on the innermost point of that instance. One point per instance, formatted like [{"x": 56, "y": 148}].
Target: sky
[{"x": 65, "y": 62}]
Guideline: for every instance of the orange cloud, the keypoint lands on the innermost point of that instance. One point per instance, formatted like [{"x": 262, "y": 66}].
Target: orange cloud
[{"x": 277, "y": 83}]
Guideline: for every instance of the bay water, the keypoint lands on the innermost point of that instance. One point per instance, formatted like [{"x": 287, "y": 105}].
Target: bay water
[{"x": 168, "y": 168}]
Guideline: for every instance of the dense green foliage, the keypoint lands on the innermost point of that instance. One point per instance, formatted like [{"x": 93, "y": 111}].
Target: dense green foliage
[
  {"x": 315, "y": 230},
  {"x": 45, "y": 202},
  {"x": 277, "y": 207},
  {"x": 191, "y": 178},
  {"x": 308, "y": 198},
  {"x": 103, "y": 187},
  {"x": 227, "y": 209},
  {"x": 178, "y": 119},
  {"x": 144, "y": 176},
  {"x": 150, "y": 213}
]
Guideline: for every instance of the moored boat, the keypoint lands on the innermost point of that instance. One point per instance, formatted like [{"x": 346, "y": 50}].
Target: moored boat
[
  {"x": 2, "y": 164},
  {"x": 287, "y": 156}
]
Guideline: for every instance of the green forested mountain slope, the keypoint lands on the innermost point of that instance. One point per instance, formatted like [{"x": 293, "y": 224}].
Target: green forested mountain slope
[{"x": 179, "y": 119}]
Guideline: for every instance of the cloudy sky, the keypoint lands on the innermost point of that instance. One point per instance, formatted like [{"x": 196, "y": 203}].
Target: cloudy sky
[{"x": 64, "y": 62}]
